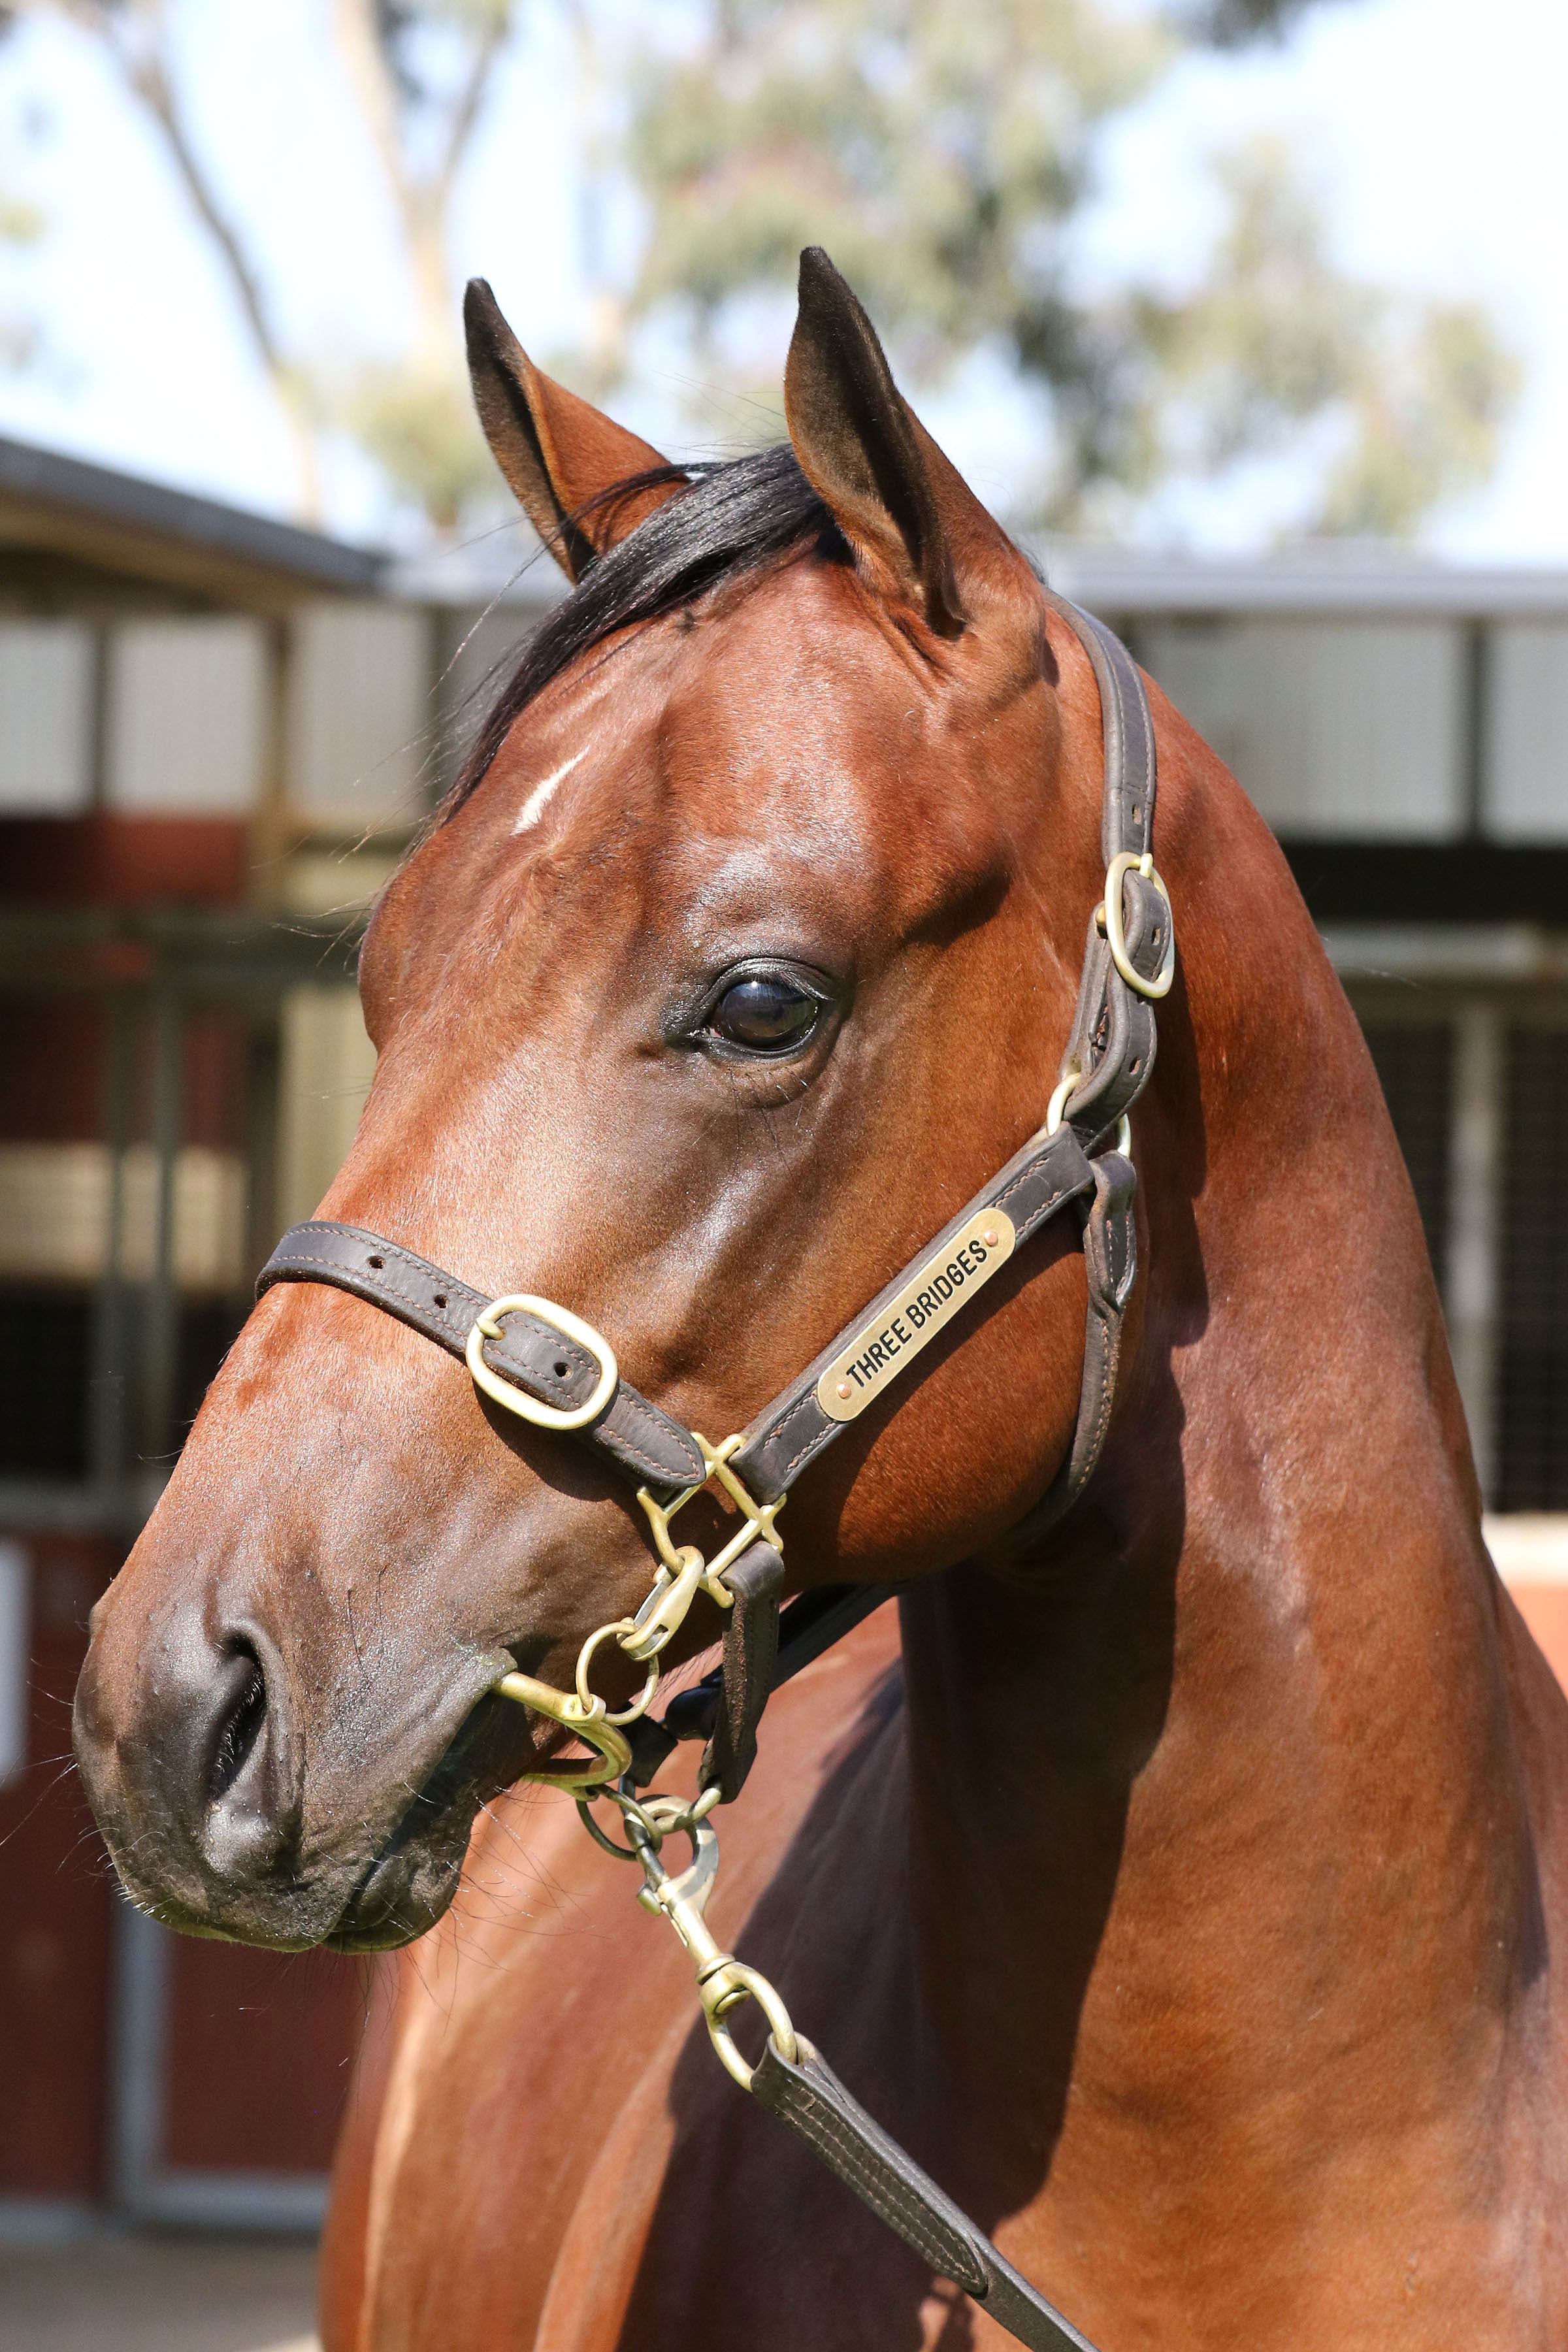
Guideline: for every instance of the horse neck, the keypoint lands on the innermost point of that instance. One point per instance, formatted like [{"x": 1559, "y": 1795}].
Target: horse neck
[{"x": 1229, "y": 1761}]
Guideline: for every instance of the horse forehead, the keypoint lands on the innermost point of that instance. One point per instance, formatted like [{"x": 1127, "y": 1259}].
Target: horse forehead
[{"x": 784, "y": 725}]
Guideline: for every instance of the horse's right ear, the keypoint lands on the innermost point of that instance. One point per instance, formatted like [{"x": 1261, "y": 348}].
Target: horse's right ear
[
  {"x": 558, "y": 453},
  {"x": 917, "y": 528}
]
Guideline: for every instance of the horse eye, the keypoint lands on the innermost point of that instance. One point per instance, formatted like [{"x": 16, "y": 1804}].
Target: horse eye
[{"x": 764, "y": 1013}]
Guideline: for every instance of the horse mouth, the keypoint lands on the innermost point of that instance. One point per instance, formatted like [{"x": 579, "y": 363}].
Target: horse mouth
[{"x": 410, "y": 1879}]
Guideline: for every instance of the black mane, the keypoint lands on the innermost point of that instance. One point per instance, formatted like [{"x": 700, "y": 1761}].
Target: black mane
[{"x": 731, "y": 517}]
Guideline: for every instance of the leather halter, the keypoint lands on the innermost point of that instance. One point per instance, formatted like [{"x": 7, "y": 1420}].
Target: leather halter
[
  {"x": 1128, "y": 963},
  {"x": 557, "y": 1371}
]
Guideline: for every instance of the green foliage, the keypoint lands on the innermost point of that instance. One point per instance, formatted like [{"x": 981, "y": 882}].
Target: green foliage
[
  {"x": 937, "y": 149},
  {"x": 942, "y": 150},
  {"x": 1275, "y": 338},
  {"x": 418, "y": 426},
  {"x": 1427, "y": 422}
]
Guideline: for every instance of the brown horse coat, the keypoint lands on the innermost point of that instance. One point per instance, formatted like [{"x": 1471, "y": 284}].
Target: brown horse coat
[{"x": 1185, "y": 1898}]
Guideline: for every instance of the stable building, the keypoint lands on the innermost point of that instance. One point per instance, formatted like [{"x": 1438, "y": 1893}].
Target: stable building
[{"x": 217, "y": 735}]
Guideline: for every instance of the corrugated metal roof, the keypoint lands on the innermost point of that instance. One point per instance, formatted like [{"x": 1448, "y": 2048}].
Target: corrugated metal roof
[{"x": 1131, "y": 581}]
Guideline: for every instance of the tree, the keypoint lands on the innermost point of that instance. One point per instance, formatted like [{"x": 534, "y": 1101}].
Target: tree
[
  {"x": 418, "y": 71},
  {"x": 21, "y": 223},
  {"x": 942, "y": 149}
]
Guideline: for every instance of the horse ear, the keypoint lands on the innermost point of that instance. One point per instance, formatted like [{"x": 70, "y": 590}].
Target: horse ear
[
  {"x": 912, "y": 520},
  {"x": 558, "y": 453}
]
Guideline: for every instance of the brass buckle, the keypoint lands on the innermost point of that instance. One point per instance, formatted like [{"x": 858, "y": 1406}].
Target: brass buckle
[
  {"x": 683, "y": 1572},
  {"x": 1109, "y": 916},
  {"x": 518, "y": 1400}
]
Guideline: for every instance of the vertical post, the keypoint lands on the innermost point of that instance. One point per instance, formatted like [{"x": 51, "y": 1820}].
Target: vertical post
[
  {"x": 1472, "y": 1288},
  {"x": 107, "y": 1385},
  {"x": 162, "y": 1333},
  {"x": 271, "y": 833},
  {"x": 1477, "y": 691},
  {"x": 99, "y": 717},
  {"x": 140, "y": 2033}
]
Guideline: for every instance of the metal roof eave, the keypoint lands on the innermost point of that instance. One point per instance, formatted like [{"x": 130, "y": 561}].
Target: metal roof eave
[
  {"x": 1304, "y": 583},
  {"x": 124, "y": 523}
]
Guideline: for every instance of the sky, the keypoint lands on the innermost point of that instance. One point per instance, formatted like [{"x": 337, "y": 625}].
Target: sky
[{"x": 1432, "y": 133}]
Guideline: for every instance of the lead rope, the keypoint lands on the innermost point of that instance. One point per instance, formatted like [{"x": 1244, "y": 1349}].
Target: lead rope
[
  {"x": 794, "y": 2082},
  {"x": 556, "y": 1371}
]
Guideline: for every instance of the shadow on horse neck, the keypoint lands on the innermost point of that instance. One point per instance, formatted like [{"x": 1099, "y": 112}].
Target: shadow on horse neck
[{"x": 1189, "y": 1866}]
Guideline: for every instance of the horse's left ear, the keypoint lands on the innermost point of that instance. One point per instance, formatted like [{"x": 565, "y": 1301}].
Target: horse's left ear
[
  {"x": 558, "y": 453},
  {"x": 915, "y": 525}
]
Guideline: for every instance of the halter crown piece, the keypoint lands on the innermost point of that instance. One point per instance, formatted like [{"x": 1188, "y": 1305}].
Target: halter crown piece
[{"x": 543, "y": 1363}]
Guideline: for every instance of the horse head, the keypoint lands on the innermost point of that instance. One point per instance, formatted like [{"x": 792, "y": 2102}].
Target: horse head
[{"x": 739, "y": 957}]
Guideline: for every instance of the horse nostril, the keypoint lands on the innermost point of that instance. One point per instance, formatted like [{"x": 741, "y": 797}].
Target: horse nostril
[{"x": 238, "y": 1733}]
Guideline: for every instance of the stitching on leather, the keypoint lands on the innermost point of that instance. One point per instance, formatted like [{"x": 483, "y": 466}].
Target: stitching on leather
[
  {"x": 636, "y": 1402},
  {"x": 352, "y": 1279},
  {"x": 820, "y": 1437},
  {"x": 623, "y": 1450},
  {"x": 372, "y": 1286},
  {"x": 888, "y": 2195},
  {"x": 783, "y": 1422}
]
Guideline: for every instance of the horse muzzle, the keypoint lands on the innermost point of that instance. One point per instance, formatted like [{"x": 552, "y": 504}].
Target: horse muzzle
[{"x": 191, "y": 1750}]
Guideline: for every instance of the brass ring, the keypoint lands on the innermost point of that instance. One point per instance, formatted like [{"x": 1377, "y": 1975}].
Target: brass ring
[
  {"x": 587, "y": 1699},
  {"x": 773, "y": 2008},
  {"x": 518, "y": 1400},
  {"x": 1127, "y": 862},
  {"x": 1058, "y": 1101}
]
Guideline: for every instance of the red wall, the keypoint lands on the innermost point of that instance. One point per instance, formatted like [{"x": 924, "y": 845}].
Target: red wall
[{"x": 55, "y": 1898}]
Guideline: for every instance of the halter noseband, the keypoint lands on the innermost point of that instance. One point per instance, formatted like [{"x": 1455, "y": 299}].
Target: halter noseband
[{"x": 543, "y": 1363}]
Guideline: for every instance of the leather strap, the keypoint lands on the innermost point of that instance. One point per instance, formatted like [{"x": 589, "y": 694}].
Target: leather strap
[
  {"x": 644, "y": 1443},
  {"x": 807, "y": 2094},
  {"x": 1111, "y": 1262},
  {"x": 783, "y": 1440},
  {"x": 1130, "y": 774},
  {"x": 810, "y": 1624},
  {"x": 746, "y": 1676}
]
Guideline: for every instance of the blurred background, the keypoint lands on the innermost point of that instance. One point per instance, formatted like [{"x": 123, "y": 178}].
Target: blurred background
[{"x": 1247, "y": 316}]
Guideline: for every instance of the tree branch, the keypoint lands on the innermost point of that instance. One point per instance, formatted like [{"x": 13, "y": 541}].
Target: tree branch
[
  {"x": 465, "y": 112},
  {"x": 142, "y": 62}
]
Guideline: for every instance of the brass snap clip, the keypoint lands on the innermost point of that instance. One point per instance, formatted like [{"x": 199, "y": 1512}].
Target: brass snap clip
[
  {"x": 590, "y": 1724},
  {"x": 723, "y": 1982}
]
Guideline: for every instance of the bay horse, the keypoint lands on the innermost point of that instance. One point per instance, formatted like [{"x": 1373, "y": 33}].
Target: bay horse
[{"x": 1180, "y": 1883}]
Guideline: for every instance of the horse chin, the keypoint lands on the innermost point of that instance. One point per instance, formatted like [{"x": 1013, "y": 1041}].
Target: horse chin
[
  {"x": 412, "y": 1878},
  {"x": 403, "y": 1889}
]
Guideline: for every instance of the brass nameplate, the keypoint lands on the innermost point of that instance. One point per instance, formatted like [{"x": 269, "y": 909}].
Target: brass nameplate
[{"x": 933, "y": 1295}]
